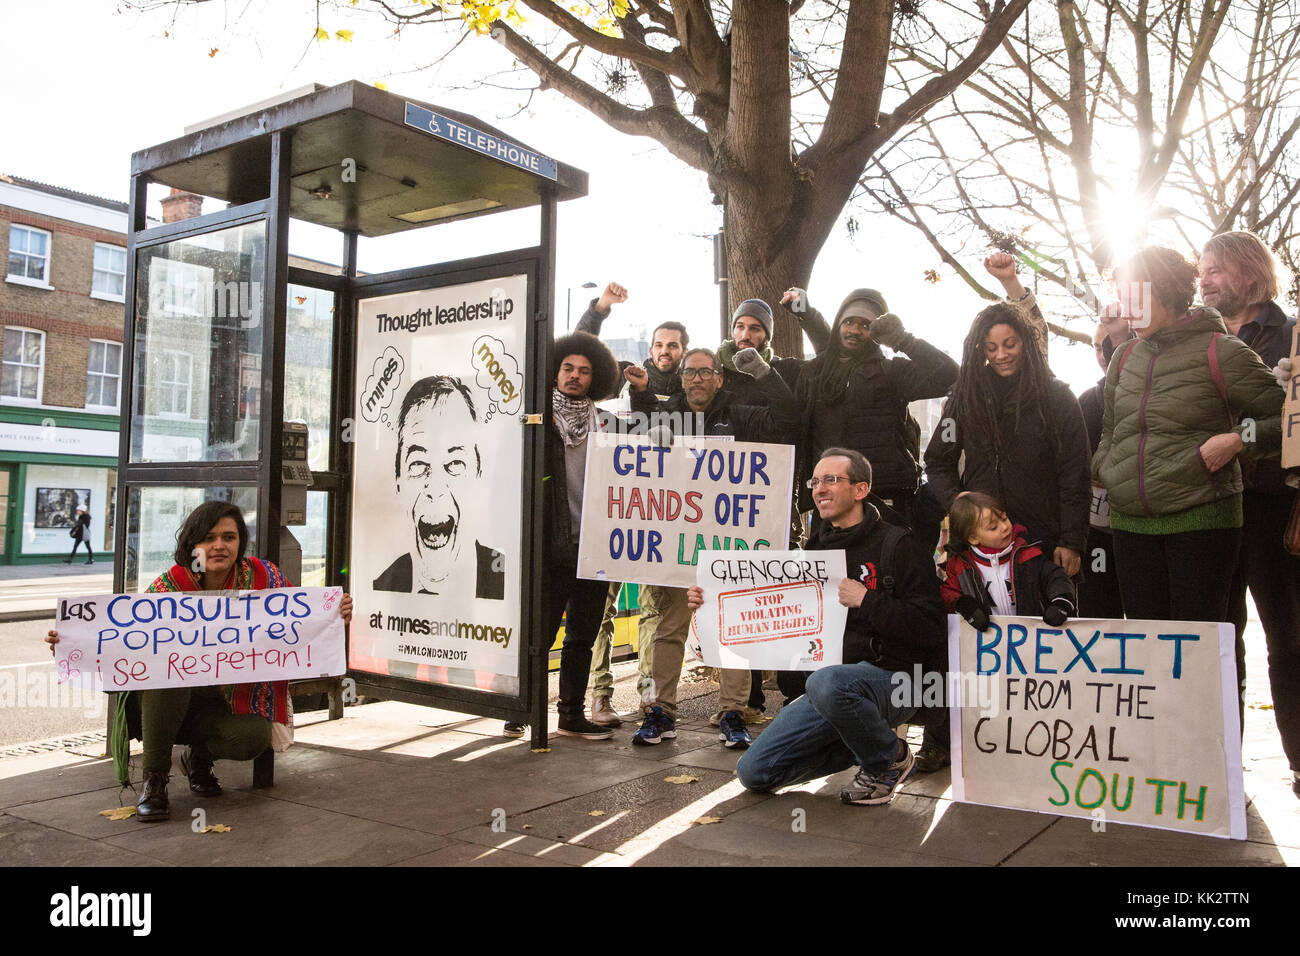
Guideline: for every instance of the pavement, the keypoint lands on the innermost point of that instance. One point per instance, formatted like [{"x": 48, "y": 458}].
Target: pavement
[{"x": 393, "y": 784}]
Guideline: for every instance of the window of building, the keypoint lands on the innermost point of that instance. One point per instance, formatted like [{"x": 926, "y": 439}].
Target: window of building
[
  {"x": 24, "y": 361},
  {"x": 29, "y": 256},
  {"x": 109, "y": 278},
  {"x": 175, "y": 372},
  {"x": 103, "y": 373}
]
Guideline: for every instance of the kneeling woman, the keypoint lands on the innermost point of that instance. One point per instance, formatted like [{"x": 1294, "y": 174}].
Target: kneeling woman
[{"x": 219, "y": 723}]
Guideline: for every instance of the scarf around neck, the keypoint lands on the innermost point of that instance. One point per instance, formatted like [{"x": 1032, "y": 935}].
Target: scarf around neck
[
  {"x": 573, "y": 418},
  {"x": 727, "y": 353}
]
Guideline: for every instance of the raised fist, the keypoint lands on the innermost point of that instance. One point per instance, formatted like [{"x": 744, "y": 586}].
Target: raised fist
[
  {"x": 888, "y": 330},
  {"x": 1001, "y": 265},
  {"x": 795, "y": 298},
  {"x": 751, "y": 363},
  {"x": 1282, "y": 371},
  {"x": 614, "y": 293},
  {"x": 637, "y": 377}
]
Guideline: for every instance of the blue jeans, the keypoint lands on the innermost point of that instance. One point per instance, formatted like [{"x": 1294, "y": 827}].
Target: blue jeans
[{"x": 845, "y": 718}]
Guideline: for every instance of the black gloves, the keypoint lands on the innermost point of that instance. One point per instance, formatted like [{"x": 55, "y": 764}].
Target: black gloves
[
  {"x": 973, "y": 612},
  {"x": 1057, "y": 613}
]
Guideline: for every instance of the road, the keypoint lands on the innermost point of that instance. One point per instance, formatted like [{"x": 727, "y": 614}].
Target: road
[{"x": 33, "y": 706}]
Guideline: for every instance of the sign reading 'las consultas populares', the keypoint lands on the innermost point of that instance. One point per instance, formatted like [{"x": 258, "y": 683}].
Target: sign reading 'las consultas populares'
[
  {"x": 649, "y": 510},
  {"x": 1115, "y": 721},
  {"x": 437, "y": 484}
]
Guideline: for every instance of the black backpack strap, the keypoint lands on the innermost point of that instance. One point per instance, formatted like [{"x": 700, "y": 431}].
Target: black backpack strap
[{"x": 893, "y": 534}]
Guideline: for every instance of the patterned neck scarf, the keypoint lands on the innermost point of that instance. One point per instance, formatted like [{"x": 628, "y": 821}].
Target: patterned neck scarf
[{"x": 573, "y": 418}]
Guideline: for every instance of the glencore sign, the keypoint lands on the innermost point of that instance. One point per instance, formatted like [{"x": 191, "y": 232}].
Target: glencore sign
[{"x": 479, "y": 141}]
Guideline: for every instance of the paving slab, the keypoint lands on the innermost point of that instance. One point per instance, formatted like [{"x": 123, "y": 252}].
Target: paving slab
[
  {"x": 551, "y": 851},
  {"x": 625, "y": 812},
  {"x": 1071, "y": 842},
  {"x": 936, "y": 828},
  {"x": 473, "y": 854},
  {"x": 28, "y": 779},
  {"x": 24, "y": 843},
  {"x": 267, "y": 832}
]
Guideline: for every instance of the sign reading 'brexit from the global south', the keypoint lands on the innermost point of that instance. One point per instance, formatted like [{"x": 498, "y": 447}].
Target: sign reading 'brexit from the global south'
[
  {"x": 648, "y": 511},
  {"x": 1116, "y": 721},
  {"x": 444, "y": 127}
]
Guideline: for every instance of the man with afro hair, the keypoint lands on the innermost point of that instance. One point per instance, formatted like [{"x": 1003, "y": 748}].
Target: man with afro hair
[{"x": 582, "y": 370}]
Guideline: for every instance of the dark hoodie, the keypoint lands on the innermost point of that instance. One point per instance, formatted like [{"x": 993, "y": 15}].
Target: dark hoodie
[
  {"x": 899, "y": 626},
  {"x": 859, "y": 400}
]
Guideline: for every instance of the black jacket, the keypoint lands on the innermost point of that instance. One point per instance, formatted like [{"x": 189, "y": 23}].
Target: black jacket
[
  {"x": 771, "y": 416},
  {"x": 1269, "y": 334},
  {"x": 1050, "y": 494},
  {"x": 1092, "y": 404},
  {"x": 666, "y": 384},
  {"x": 1036, "y": 581},
  {"x": 872, "y": 410},
  {"x": 899, "y": 626}
]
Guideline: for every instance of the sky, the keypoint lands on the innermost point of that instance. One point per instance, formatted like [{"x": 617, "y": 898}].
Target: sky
[{"x": 98, "y": 82}]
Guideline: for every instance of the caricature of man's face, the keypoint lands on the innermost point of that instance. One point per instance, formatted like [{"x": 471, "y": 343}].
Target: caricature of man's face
[{"x": 439, "y": 467}]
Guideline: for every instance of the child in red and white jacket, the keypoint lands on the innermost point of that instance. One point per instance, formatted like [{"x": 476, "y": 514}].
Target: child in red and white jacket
[{"x": 998, "y": 572}]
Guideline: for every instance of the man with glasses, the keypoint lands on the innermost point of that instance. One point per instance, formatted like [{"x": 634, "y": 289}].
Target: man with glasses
[
  {"x": 771, "y": 418},
  {"x": 852, "y": 396},
  {"x": 895, "y": 620}
]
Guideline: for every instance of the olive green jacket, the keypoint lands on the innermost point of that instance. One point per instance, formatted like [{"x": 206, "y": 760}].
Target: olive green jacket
[{"x": 1165, "y": 396}]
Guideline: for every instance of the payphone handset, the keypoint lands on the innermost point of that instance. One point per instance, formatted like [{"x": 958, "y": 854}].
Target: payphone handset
[{"x": 295, "y": 474}]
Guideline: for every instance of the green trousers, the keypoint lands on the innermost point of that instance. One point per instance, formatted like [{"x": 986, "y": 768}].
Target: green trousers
[
  {"x": 198, "y": 716},
  {"x": 602, "y": 677}
]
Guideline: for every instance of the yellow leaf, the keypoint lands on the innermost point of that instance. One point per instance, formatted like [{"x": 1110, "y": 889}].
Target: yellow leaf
[
  {"x": 580, "y": 9},
  {"x": 705, "y": 821},
  {"x": 118, "y": 813},
  {"x": 344, "y": 35},
  {"x": 541, "y": 750},
  {"x": 215, "y": 828},
  {"x": 527, "y": 826},
  {"x": 322, "y": 33},
  {"x": 684, "y": 778},
  {"x": 596, "y": 813},
  {"x": 381, "y": 86}
]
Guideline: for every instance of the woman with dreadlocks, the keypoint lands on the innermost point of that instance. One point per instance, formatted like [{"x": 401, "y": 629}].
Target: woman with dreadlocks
[{"x": 1022, "y": 435}]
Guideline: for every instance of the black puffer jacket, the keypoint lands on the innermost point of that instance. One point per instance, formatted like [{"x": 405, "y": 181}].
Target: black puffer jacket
[
  {"x": 871, "y": 408},
  {"x": 1269, "y": 334},
  {"x": 1041, "y": 476},
  {"x": 899, "y": 626}
]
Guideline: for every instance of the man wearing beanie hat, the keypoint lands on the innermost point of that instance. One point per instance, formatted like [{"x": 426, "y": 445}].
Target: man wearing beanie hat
[
  {"x": 751, "y": 328},
  {"x": 852, "y": 396}
]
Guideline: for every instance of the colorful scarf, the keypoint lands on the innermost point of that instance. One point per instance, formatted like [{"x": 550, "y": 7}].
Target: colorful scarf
[
  {"x": 573, "y": 418},
  {"x": 269, "y": 699}
]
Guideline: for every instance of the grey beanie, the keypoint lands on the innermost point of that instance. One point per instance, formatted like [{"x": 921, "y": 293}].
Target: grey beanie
[
  {"x": 870, "y": 296},
  {"x": 756, "y": 309}
]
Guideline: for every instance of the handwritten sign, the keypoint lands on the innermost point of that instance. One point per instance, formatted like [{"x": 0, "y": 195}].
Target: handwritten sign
[
  {"x": 774, "y": 610},
  {"x": 1115, "y": 721},
  {"x": 195, "y": 639},
  {"x": 1291, "y": 409},
  {"x": 648, "y": 511}
]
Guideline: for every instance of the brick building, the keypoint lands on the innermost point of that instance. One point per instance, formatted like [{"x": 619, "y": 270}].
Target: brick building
[{"x": 61, "y": 310}]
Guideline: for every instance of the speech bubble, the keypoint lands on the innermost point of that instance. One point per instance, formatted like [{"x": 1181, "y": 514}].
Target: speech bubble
[
  {"x": 498, "y": 374},
  {"x": 383, "y": 383}
]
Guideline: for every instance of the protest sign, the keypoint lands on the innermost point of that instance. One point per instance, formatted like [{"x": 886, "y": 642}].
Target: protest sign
[
  {"x": 778, "y": 610},
  {"x": 648, "y": 511},
  {"x": 437, "y": 486},
  {"x": 1291, "y": 409},
  {"x": 1115, "y": 721},
  {"x": 199, "y": 638}
]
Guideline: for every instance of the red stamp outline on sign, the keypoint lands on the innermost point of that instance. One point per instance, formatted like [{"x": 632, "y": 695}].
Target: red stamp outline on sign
[{"x": 723, "y": 595}]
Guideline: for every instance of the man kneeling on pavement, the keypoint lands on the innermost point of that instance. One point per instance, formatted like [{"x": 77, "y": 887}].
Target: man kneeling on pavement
[{"x": 895, "y": 620}]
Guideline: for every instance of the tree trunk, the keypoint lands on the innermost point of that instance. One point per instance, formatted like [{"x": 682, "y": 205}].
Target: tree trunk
[{"x": 755, "y": 271}]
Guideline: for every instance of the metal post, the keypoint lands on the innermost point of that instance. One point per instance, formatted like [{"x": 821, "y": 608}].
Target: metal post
[{"x": 275, "y": 299}]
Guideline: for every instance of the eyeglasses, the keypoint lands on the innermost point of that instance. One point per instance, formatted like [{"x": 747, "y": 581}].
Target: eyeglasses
[
  {"x": 829, "y": 481},
  {"x": 690, "y": 374}
]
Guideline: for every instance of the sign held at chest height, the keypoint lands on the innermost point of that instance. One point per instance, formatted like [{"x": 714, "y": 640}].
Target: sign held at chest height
[
  {"x": 150, "y": 641},
  {"x": 648, "y": 511}
]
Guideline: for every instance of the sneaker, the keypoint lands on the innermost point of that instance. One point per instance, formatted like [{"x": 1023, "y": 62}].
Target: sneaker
[
  {"x": 932, "y": 757},
  {"x": 870, "y": 789},
  {"x": 656, "y": 726},
  {"x": 580, "y": 726},
  {"x": 512, "y": 729},
  {"x": 603, "y": 713},
  {"x": 733, "y": 732}
]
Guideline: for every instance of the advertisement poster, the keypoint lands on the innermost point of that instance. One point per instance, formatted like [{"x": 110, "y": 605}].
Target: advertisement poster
[
  {"x": 1114, "y": 721},
  {"x": 436, "y": 486},
  {"x": 148, "y": 641},
  {"x": 648, "y": 511},
  {"x": 57, "y": 507},
  {"x": 772, "y": 610}
]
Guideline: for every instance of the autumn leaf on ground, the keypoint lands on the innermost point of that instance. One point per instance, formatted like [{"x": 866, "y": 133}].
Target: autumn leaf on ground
[
  {"x": 705, "y": 821},
  {"x": 596, "y": 813},
  {"x": 684, "y": 778},
  {"x": 215, "y": 828},
  {"x": 541, "y": 750},
  {"x": 118, "y": 813}
]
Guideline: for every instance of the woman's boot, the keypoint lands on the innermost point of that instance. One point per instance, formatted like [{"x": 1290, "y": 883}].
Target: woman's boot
[{"x": 153, "y": 800}]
